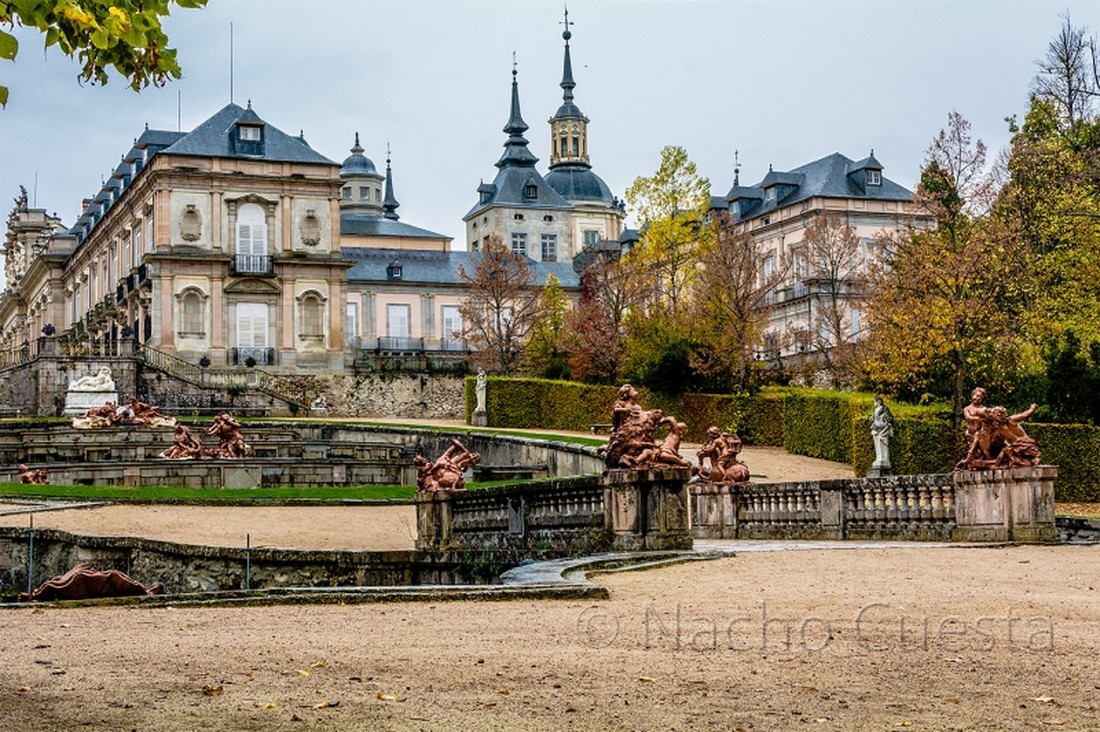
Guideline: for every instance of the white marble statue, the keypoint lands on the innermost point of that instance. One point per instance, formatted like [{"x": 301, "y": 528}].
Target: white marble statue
[
  {"x": 882, "y": 428},
  {"x": 101, "y": 381},
  {"x": 482, "y": 380}
]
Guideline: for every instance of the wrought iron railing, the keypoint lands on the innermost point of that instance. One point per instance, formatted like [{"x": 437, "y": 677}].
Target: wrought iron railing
[
  {"x": 253, "y": 264},
  {"x": 243, "y": 356}
]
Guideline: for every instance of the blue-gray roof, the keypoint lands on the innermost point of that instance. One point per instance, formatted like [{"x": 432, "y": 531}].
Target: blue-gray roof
[
  {"x": 829, "y": 177},
  {"x": 211, "y": 139},
  {"x": 364, "y": 224},
  {"x": 578, "y": 182},
  {"x": 438, "y": 268},
  {"x": 507, "y": 190}
]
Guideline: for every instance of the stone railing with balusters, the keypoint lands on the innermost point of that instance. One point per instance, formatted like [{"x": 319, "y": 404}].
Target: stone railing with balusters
[{"x": 987, "y": 505}]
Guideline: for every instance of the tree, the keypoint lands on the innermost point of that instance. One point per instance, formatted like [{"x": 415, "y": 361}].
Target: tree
[
  {"x": 502, "y": 307},
  {"x": 125, "y": 34},
  {"x": 543, "y": 352},
  {"x": 835, "y": 276},
  {"x": 729, "y": 301},
  {"x": 948, "y": 302},
  {"x": 670, "y": 206},
  {"x": 1069, "y": 77},
  {"x": 594, "y": 331}
]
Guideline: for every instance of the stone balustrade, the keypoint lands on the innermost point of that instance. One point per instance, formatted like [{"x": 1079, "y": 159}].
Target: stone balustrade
[{"x": 990, "y": 505}]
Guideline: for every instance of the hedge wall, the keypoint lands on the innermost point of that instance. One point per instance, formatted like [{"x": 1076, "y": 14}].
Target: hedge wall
[{"x": 825, "y": 424}]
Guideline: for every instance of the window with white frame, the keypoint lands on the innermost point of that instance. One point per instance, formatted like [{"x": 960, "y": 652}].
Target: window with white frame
[
  {"x": 351, "y": 323},
  {"x": 397, "y": 321},
  {"x": 549, "y": 247},
  {"x": 874, "y": 178},
  {"x": 591, "y": 237},
  {"x": 251, "y": 230},
  {"x": 519, "y": 243}
]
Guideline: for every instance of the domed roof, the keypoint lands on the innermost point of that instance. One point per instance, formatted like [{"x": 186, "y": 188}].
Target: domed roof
[
  {"x": 578, "y": 182},
  {"x": 357, "y": 163}
]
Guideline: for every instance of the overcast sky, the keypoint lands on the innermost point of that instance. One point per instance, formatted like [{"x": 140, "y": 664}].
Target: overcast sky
[{"x": 782, "y": 82}]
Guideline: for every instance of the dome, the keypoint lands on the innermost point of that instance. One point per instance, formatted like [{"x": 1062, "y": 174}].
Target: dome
[
  {"x": 357, "y": 163},
  {"x": 579, "y": 183}
]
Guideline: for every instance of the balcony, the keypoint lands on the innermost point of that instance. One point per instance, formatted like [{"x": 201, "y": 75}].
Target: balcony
[
  {"x": 261, "y": 265},
  {"x": 394, "y": 343},
  {"x": 257, "y": 356}
]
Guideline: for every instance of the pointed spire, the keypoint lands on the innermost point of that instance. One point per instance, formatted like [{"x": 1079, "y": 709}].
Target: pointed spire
[
  {"x": 515, "y": 148},
  {"x": 736, "y": 169},
  {"x": 390, "y": 204},
  {"x": 567, "y": 83},
  {"x": 357, "y": 149}
]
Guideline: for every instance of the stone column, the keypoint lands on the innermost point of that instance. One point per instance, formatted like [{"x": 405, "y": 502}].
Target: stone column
[
  {"x": 648, "y": 509},
  {"x": 433, "y": 521}
]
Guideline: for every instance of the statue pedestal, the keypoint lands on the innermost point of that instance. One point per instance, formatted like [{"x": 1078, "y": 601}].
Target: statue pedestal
[
  {"x": 878, "y": 471},
  {"x": 648, "y": 509},
  {"x": 480, "y": 418},
  {"x": 79, "y": 402}
]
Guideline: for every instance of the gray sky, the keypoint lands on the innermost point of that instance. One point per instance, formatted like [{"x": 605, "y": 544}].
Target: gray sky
[{"x": 783, "y": 82}]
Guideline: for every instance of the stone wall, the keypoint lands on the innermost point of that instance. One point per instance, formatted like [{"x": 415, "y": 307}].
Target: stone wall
[
  {"x": 183, "y": 568},
  {"x": 38, "y": 387}
]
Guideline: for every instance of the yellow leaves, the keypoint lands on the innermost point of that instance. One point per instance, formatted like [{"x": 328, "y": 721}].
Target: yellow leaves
[
  {"x": 76, "y": 16},
  {"x": 382, "y": 696},
  {"x": 208, "y": 690}
]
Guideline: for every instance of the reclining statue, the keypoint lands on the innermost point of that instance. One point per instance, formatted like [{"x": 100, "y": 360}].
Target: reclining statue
[{"x": 85, "y": 582}]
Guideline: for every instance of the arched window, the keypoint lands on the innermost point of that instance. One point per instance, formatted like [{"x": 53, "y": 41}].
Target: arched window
[
  {"x": 313, "y": 315},
  {"x": 251, "y": 230}
]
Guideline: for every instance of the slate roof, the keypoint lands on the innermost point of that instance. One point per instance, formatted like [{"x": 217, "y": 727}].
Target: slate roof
[
  {"x": 211, "y": 139},
  {"x": 578, "y": 182},
  {"x": 364, "y": 224},
  {"x": 438, "y": 268},
  {"x": 507, "y": 190},
  {"x": 827, "y": 178}
]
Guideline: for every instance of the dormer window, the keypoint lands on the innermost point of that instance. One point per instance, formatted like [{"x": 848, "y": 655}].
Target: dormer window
[
  {"x": 769, "y": 194},
  {"x": 393, "y": 271},
  {"x": 874, "y": 178},
  {"x": 530, "y": 190},
  {"x": 250, "y": 133}
]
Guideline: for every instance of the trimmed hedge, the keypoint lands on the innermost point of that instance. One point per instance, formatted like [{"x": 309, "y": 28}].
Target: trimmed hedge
[{"x": 826, "y": 424}]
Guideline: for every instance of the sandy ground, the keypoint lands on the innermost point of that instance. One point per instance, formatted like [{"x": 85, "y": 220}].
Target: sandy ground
[
  {"x": 864, "y": 639},
  {"x": 891, "y": 638}
]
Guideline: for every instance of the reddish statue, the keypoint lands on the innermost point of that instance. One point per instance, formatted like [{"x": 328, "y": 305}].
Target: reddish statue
[
  {"x": 445, "y": 474},
  {"x": 185, "y": 446},
  {"x": 230, "y": 442},
  {"x": 995, "y": 437},
  {"x": 725, "y": 467},
  {"x": 632, "y": 445},
  {"x": 136, "y": 413},
  {"x": 85, "y": 582},
  {"x": 34, "y": 477}
]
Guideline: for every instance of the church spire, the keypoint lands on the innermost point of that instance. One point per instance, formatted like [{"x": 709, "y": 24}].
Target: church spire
[
  {"x": 568, "y": 127},
  {"x": 390, "y": 204},
  {"x": 515, "y": 148}
]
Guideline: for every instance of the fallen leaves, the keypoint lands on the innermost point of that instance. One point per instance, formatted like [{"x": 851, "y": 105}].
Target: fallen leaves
[
  {"x": 384, "y": 696},
  {"x": 208, "y": 690}
]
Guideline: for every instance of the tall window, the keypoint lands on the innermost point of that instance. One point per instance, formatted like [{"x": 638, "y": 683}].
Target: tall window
[
  {"x": 519, "y": 243},
  {"x": 549, "y": 247},
  {"x": 452, "y": 323},
  {"x": 252, "y": 333},
  {"x": 351, "y": 326},
  {"x": 313, "y": 316},
  {"x": 397, "y": 321},
  {"x": 591, "y": 237},
  {"x": 251, "y": 230}
]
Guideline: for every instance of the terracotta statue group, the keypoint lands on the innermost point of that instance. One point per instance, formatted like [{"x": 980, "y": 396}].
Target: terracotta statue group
[
  {"x": 995, "y": 438},
  {"x": 135, "y": 413},
  {"x": 722, "y": 449},
  {"x": 633, "y": 445},
  {"x": 445, "y": 474},
  {"x": 33, "y": 477},
  {"x": 231, "y": 444}
]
